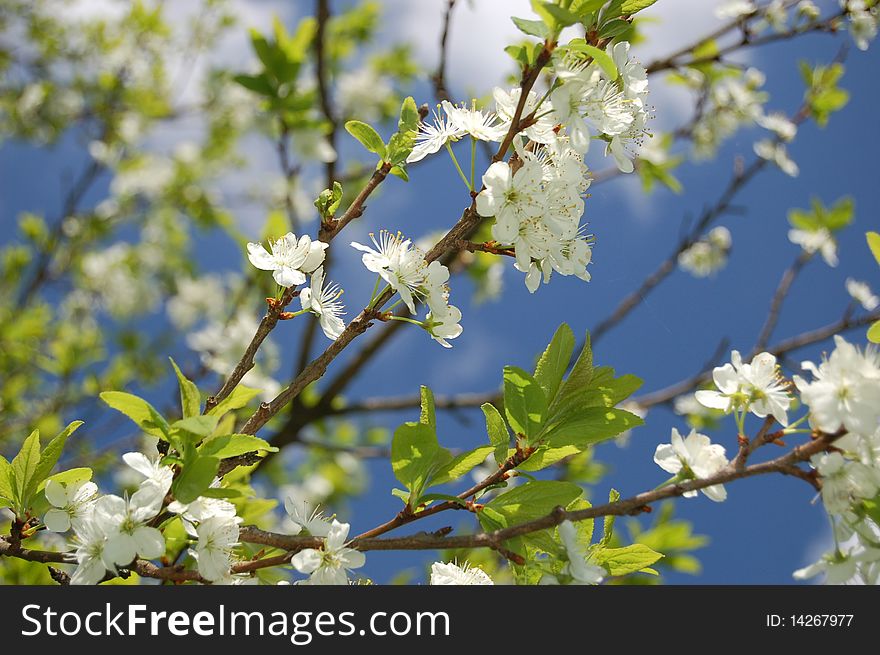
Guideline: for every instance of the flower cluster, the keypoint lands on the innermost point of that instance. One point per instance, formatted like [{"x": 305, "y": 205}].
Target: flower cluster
[
  {"x": 112, "y": 531},
  {"x": 449, "y": 574},
  {"x": 844, "y": 396},
  {"x": 290, "y": 260},
  {"x": 402, "y": 266},
  {"x": 708, "y": 255}
]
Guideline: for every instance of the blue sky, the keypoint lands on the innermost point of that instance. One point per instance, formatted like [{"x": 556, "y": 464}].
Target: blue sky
[{"x": 768, "y": 526}]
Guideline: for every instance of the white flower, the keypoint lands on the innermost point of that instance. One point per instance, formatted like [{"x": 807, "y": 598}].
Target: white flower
[
  {"x": 157, "y": 478},
  {"x": 122, "y": 521},
  {"x": 306, "y": 518},
  {"x": 839, "y": 567},
  {"x": 693, "y": 457},
  {"x": 862, "y": 294},
  {"x": 397, "y": 261},
  {"x": 862, "y": 28},
  {"x": 808, "y": 9},
  {"x": 480, "y": 125},
  {"x": 92, "y": 560},
  {"x": 778, "y": 154},
  {"x": 844, "y": 481},
  {"x": 323, "y": 301},
  {"x": 511, "y": 197},
  {"x": 443, "y": 323},
  {"x": 821, "y": 241},
  {"x": 289, "y": 259},
  {"x": 452, "y": 574},
  {"x": 578, "y": 566},
  {"x": 755, "y": 386},
  {"x": 217, "y": 536},
  {"x": 779, "y": 124},
  {"x": 329, "y": 565},
  {"x": 203, "y": 508},
  {"x": 432, "y": 137},
  {"x": 71, "y": 504},
  {"x": 543, "y": 131},
  {"x": 736, "y": 9},
  {"x": 845, "y": 391}
]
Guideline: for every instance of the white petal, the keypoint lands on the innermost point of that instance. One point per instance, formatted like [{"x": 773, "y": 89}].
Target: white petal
[
  {"x": 150, "y": 542},
  {"x": 289, "y": 277},
  {"x": 260, "y": 257},
  {"x": 307, "y": 561},
  {"x": 56, "y": 494},
  {"x": 57, "y": 520}
]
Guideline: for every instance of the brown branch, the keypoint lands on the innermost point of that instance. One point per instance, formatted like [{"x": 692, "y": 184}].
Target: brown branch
[
  {"x": 356, "y": 209},
  {"x": 779, "y": 297},
  {"x": 246, "y": 363},
  {"x": 439, "y": 77}
]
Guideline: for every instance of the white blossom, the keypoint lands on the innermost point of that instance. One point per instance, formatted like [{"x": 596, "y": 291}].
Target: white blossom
[
  {"x": 862, "y": 294},
  {"x": 290, "y": 259},
  {"x": 304, "y": 517},
  {"x": 323, "y": 301},
  {"x": 755, "y": 386},
  {"x": 778, "y": 154},
  {"x": 71, "y": 504},
  {"x": 579, "y": 566},
  {"x": 217, "y": 536},
  {"x": 695, "y": 456},
  {"x": 820, "y": 240},
  {"x": 329, "y": 566},
  {"x": 433, "y": 136},
  {"x": 450, "y": 573}
]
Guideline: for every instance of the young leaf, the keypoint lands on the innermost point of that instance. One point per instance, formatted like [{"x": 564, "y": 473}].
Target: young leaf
[
  {"x": 428, "y": 415},
  {"x": 546, "y": 456},
  {"x": 531, "y": 27},
  {"x": 590, "y": 425},
  {"x": 873, "y": 239},
  {"x": 578, "y": 380},
  {"x": 460, "y": 465},
  {"x": 23, "y": 467},
  {"x": 629, "y": 7},
  {"x": 631, "y": 559},
  {"x": 409, "y": 116},
  {"x": 328, "y": 200},
  {"x": 602, "y": 58},
  {"x": 608, "y": 527},
  {"x": 415, "y": 455},
  {"x": 400, "y": 146},
  {"x": 499, "y": 437},
  {"x": 368, "y": 137},
  {"x": 524, "y": 402},
  {"x": 196, "y": 477},
  {"x": 874, "y": 333},
  {"x": 190, "y": 398},
  {"x": 49, "y": 457},
  {"x": 239, "y": 397},
  {"x": 230, "y": 445},
  {"x": 198, "y": 426},
  {"x": 554, "y": 361},
  {"x": 138, "y": 410},
  {"x": 7, "y": 491}
]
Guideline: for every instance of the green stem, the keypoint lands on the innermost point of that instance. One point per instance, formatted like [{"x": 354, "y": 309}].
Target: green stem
[
  {"x": 458, "y": 168},
  {"x": 407, "y": 320},
  {"x": 375, "y": 289}
]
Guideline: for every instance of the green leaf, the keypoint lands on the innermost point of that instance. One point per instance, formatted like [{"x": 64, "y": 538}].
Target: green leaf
[
  {"x": 368, "y": 137},
  {"x": 554, "y": 361},
  {"x": 50, "y": 456},
  {"x": 217, "y": 492},
  {"x": 399, "y": 170},
  {"x": 590, "y": 425},
  {"x": 230, "y": 445},
  {"x": 239, "y": 397},
  {"x": 428, "y": 415},
  {"x": 524, "y": 402},
  {"x": 499, "y": 437},
  {"x": 531, "y": 27},
  {"x": 873, "y": 239},
  {"x": 257, "y": 83},
  {"x": 400, "y": 146},
  {"x": 631, "y": 559},
  {"x": 23, "y": 467},
  {"x": 602, "y": 58},
  {"x": 629, "y": 7},
  {"x": 460, "y": 465},
  {"x": 563, "y": 17},
  {"x": 138, "y": 410},
  {"x": 582, "y": 8},
  {"x": 190, "y": 398},
  {"x": 415, "y": 455},
  {"x": 198, "y": 426},
  {"x": 328, "y": 201},
  {"x": 608, "y": 527},
  {"x": 195, "y": 478},
  {"x": 570, "y": 391},
  {"x": 546, "y": 456},
  {"x": 7, "y": 489},
  {"x": 409, "y": 116},
  {"x": 874, "y": 333},
  {"x": 533, "y": 500},
  {"x": 81, "y": 474}
]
